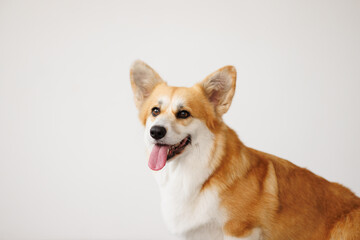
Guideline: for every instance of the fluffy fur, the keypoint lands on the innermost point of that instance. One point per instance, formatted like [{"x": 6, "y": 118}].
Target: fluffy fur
[{"x": 218, "y": 188}]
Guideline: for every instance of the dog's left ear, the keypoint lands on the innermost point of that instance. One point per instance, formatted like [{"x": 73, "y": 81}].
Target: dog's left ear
[
  {"x": 143, "y": 81},
  {"x": 219, "y": 87}
]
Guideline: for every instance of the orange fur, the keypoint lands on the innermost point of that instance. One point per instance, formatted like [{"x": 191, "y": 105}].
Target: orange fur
[{"x": 285, "y": 201}]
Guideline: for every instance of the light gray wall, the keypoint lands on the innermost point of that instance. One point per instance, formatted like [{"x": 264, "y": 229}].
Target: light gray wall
[{"x": 72, "y": 158}]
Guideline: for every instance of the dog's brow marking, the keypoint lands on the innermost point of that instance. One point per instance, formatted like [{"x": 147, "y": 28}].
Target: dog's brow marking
[
  {"x": 163, "y": 101},
  {"x": 178, "y": 103}
]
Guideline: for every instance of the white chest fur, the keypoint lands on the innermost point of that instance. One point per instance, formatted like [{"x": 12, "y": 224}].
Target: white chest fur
[{"x": 185, "y": 207}]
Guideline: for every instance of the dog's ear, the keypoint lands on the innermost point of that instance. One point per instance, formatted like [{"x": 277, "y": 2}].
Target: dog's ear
[
  {"x": 143, "y": 81},
  {"x": 219, "y": 88}
]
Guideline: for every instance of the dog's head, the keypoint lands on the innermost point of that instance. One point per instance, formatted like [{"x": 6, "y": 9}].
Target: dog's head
[{"x": 178, "y": 118}]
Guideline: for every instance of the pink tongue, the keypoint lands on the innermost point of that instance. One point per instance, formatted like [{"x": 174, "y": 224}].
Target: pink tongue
[{"x": 158, "y": 157}]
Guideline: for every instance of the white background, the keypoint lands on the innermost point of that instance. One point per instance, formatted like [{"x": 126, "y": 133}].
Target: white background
[{"x": 72, "y": 158}]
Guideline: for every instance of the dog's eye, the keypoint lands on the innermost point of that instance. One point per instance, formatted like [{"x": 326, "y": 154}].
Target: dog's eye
[
  {"x": 183, "y": 114},
  {"x": 155, "y": 111}
]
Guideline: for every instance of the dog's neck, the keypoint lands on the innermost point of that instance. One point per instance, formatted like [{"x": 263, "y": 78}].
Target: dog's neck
[{"x": 226, "y": 168}]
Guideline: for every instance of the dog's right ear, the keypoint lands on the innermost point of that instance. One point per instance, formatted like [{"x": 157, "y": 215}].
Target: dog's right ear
[{"x": 143, "y": 81}]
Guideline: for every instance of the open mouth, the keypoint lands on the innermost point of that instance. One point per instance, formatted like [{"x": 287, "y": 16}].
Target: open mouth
[
  {"x": 178, "y": 148},
  {"x": 161, "y": 153}
]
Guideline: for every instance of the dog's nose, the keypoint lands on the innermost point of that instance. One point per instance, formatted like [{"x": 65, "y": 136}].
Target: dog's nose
[{"x": 157, "y": 132}]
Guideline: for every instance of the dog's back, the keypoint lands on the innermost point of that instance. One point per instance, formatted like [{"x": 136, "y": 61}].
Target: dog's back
[{"x": 311, "y": 207}]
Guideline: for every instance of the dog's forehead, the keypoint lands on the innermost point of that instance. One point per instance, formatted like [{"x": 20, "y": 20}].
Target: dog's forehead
[{"x": 171, "y": 102}]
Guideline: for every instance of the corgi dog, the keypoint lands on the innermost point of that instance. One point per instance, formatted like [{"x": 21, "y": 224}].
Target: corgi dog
[{"x": 214, "y": 187}]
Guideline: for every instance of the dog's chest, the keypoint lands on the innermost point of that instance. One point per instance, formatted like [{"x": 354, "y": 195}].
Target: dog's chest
[
  {"x": 185, "y": 206},
  {"x": 183, "y": 215}
]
